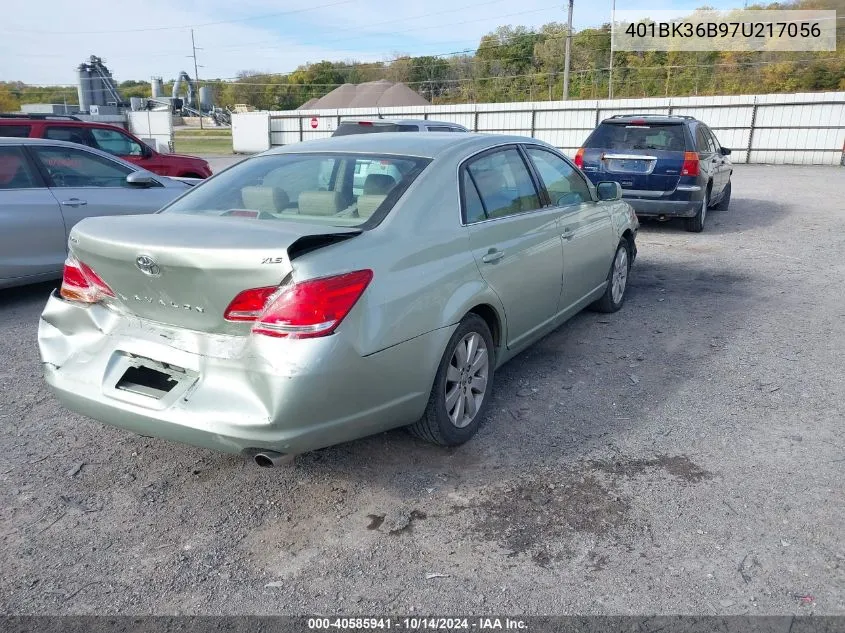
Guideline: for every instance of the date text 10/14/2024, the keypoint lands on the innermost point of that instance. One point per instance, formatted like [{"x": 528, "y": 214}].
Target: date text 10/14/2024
[{"x": 418, "y": 624}]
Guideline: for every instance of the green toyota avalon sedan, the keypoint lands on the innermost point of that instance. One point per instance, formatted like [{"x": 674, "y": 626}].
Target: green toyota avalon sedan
[{"x": 328, "y": 290}]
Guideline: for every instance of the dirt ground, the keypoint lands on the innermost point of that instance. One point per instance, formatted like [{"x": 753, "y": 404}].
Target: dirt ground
[{"x": 682, "y": 456}]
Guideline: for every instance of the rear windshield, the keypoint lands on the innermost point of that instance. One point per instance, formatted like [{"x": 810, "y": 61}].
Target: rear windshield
[
  {"x": 332, "y": 188},
  {"x": 352, "y": 127},
  {"x": 18, "y": 131},
  {"x": 657, "y": 136}
]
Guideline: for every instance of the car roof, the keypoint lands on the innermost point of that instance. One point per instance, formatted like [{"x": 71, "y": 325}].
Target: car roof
[
  {"x": 651, "y": 118},
  {"x": 60, "y": 119},
  {"x": 403, "y": 121},
  {"x": 428, "y": 145}
]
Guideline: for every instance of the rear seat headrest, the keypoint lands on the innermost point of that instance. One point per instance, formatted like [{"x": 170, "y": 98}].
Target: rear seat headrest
[
  {"x": 378, "y": 184},
  {"x": 270, "y": 199}
]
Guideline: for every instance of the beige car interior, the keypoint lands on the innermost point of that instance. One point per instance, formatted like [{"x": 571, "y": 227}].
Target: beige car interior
[
  {"x": 268, "y": 199},
  {"x": 321, "y": 202},
  {"x": 376, "y": 188}
]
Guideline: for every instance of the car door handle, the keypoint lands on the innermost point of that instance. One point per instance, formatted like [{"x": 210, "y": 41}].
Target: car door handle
[
  {"x": 492, "y": 256},
  {"x": 74, "y": 202}
]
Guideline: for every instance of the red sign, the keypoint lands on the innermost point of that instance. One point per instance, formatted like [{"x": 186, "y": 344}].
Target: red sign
[{"x": 314, "y": 123}]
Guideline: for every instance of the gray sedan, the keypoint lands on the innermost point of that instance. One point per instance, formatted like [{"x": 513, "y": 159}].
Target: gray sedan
[
  {"x": 275, "y": 310},
  {"x": 46, "y": 187}
]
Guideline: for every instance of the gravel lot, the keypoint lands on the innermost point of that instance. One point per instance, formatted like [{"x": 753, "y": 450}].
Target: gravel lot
[{"x": 684, "y": 455}]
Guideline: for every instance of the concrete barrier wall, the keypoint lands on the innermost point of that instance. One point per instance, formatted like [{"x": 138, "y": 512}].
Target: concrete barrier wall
[{"x": 805, "y": 129}]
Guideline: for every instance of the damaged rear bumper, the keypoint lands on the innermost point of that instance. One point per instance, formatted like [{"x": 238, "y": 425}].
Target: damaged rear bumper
[{"x": 230, "y": 393}]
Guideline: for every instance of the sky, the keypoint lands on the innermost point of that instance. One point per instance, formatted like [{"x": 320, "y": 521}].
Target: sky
[{"x": 43, "y": 42}]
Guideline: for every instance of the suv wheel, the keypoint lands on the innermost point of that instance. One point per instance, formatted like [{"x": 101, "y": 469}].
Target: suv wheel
[{"x": 695, "y": 224}]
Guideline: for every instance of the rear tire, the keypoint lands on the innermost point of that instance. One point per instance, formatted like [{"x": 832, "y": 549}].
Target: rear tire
[
  {"x": 696, "y": 224},
  {"x": 617, "y": 280},
  {"x": 463, "y": 385},
  {"x": 725, "y": 202}
]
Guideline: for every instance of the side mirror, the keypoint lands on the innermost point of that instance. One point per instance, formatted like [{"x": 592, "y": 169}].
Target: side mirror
[
  {"x": 725, "y": 151},
  {"x": 140, "y": 179},
  {"x": 609, "y": 190}
]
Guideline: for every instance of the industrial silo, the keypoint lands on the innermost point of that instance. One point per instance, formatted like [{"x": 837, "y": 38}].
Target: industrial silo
[
  {"x": 157, "y": 87},
  {"x": 206, "y": 99},
  {"x": 84, "y": 88}
]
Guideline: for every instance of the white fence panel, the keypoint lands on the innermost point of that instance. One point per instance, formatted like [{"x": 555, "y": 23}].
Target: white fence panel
[
  {"x": 804, "y": 128},
  {"x": 154, "y": 128},
  {"x": 251, "y": 132}
]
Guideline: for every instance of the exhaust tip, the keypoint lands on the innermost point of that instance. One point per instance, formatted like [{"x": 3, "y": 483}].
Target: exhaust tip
[
  {"x": 264, "y": 461},
  {"x": 271, "y": 459}
]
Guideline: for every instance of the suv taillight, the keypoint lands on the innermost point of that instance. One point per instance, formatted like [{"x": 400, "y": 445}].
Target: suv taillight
[
  {"x": 691, "y": 167},
  {"x": 579, "y": 158},
  {"x": 302, "y": 310},
  {"x": 80, "y": 283}
]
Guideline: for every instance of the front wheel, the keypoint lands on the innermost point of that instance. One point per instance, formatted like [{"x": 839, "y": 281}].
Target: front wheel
[
  {"x": 617, "y": 280},
  {"x": 462, "y": 386}
]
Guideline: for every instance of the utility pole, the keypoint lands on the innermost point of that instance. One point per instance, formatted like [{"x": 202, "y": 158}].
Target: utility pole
[
  {"x": 610, "y": 76},
  {"x": 568, "y": 53},
  {"x": 196, "y": 76}
]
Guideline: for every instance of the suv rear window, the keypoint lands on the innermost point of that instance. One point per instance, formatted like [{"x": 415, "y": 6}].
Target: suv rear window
[
  {"x": 353, "y": 127},
  {"x": 17, "y": 131},
  {"x": 656, "y": 136}
]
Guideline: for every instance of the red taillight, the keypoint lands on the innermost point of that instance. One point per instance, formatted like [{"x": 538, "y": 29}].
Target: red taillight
[
  {"x": 365, "y": 122},
  {"x": 690, "y": 167},
  {"x": 249, "y": 304},
  {"x": 303, "y": 310},
  {"x": 637, "y": 122},
  {"x": 81, "y": 283},
  {"x": 579, "y": 158}
]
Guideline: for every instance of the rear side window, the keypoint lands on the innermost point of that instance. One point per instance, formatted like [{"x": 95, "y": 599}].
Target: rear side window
[
  {"x": 504, "y": 184},
  {"x": 70, "y": 134},
  {"x": 15, "y": 172},
  {"x": 440, "y": 128},
  {"x": 703, "y": 142},
  {"x": 654, "y": 136},
  {"x": 15, "y": 131}
]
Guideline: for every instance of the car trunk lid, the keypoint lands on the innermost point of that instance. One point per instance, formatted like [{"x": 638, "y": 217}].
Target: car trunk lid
[{"x": 184, "y": 270}]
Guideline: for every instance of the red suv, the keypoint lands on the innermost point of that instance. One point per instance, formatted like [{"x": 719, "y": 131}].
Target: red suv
[{"x": 108, "y": 138}]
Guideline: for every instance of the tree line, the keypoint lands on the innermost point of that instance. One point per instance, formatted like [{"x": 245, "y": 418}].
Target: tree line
[{"x": 515, "y": 63}]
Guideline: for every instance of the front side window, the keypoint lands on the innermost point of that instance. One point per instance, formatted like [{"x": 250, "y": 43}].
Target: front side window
[
  {"x": 503, "y": 183},
  {"x": 114, "y": 142},
  {"x": 332, "y": 188},
  {"x": 564, "y": 184},
  {"x": 69, "y": 133},
  {"x": 15, "y": 172},
  {"x": 69, "y": 167}
]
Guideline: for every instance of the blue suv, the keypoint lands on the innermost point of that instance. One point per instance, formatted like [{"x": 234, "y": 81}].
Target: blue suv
[{"x": 667, "y": 166}]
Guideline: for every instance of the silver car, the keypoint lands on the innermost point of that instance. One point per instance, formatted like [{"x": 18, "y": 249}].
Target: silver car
[
  {"x": 46, "y": 187},
  {"x": 272, "y": 311}
]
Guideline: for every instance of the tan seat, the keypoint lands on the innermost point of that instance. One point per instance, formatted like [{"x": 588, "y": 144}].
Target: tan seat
[
  {"x": 269, "y": 199},
  {"x": 376, "y": 188},
  {"x": 320, "y": 202}
]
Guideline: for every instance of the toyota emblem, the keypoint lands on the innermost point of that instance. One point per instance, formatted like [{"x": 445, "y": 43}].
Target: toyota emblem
[{"x": 147, "y": 265}]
